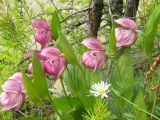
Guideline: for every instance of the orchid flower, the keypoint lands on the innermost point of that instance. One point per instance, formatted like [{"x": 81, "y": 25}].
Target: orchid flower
[
  {"x": 96, "y": 57},
  {"x": 13, "y": 96},
  {"x": 55, "y": 62},
  {"x": 125, "y": 35},
  {"x": 43, "y": 35}
]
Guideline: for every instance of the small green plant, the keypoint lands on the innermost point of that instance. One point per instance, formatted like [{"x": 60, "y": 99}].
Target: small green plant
[{"x": 100, "y": 112}]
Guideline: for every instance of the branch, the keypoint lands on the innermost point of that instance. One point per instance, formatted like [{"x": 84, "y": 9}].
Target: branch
[
  {"x": 116, "y": 8},
  {"x": 74, "y": 14},
  {"x": 131, "y": 8},
  {"x": 95, "y": 15},
  {"x": 74, "y": 26}
]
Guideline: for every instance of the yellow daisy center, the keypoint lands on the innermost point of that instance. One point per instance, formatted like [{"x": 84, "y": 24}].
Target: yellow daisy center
[{"x": 101, "y": 91}]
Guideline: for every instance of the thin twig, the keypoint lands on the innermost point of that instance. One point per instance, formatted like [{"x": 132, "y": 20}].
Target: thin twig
[
  {"x": 73, "y": 14},
  {"x": 56, "y": 8},
  {"x": 22, "y": 113}
]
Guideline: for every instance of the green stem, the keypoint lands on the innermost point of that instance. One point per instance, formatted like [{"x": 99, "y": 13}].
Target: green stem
[
  {"x": 118, "y": 94},
  {"x": 65, "y": 93},
  {"x": 56, "y": 110},
  {"x": 89, "y": 78},
  {"x": 83, "y": 75}
]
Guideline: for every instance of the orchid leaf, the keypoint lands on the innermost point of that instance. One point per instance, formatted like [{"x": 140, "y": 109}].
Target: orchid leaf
[
  {"x": 150, "y": 30},
  {"x": 67, "y": 49},
  {"x": 39, "y": 78},
  {"x": 122, "y": 79},
  {"x": 30, "y": 89},
  {"x": 111, "y": 48},
  {"x": 139, "y": 101},
  {"x": 55, "y": 25}
]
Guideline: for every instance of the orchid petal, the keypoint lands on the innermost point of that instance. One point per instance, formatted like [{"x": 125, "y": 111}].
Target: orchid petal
[
  {"x": 127, "y": 23},
  {"x": 11, "y": 100},
  {"x": 55, "y": 66},
  {"x": 51, "y": 52},
  {"x": 41, "y": 23},
  {"x": 125, "y": 37},
  {"x": 92, "y": 43},
  {"x": 93, "y": 59},
  {"x": 43, "y": 37},
  {"x": 12, "y": 86},
  {"x": 30, "y": 71}
]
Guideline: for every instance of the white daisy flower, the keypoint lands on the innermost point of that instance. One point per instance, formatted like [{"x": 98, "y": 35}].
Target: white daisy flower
[{"x": 100, "y": 89}]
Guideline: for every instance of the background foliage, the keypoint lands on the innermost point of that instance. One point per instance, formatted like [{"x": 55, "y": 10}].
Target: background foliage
[{"x": 16, "y": 39}]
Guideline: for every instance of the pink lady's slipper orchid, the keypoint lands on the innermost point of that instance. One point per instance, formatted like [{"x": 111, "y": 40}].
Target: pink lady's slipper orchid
[
  {"x": 55, "y": 63},
  {"x": 96, "y": 57},
  {"x": 14, "y": 83},
  {"x": 13, "y": 96},
  {"x": 43, "y": 35},
  {"x": 125, "y": 35}
]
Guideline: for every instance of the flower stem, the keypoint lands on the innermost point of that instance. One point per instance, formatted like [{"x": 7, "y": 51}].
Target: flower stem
[{"x": 65, "y": 93}]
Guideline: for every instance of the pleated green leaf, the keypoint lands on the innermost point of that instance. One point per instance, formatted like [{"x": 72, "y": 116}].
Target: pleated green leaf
[
  {"x": 67, "y": 49},
  {"x": 111, "y": 48},
  {"x": 39, "y": 78},
  {"x": 30, "y": 89},
  {"x": 150, "y": 30},
  {"x": 122, "y": 79},
  {"x": 139, "y": 101},
  {"x": 55, "y": 25}
]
